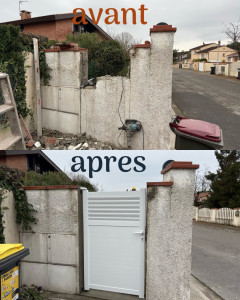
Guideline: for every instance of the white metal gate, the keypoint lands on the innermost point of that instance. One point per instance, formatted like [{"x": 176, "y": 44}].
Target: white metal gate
[
  {"x": 201, "y": 66},
  {"x": 114, "y": 241}
]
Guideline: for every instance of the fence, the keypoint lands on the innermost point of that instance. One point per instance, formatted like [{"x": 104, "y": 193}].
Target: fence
[{"x": 224, "y": 215}]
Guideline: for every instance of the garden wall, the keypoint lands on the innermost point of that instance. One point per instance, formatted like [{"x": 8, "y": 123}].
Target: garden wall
[
  {"x": 54, "y": 257},
  {"x": 233, "y": 69},
  {"x": 147, "y": 94}
]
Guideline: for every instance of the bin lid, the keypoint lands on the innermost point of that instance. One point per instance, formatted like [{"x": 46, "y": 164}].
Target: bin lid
[
  {"x": 13, "y": 259},
  {"x": 9, "y": 249},
  {"x": 200, "y": 129}
]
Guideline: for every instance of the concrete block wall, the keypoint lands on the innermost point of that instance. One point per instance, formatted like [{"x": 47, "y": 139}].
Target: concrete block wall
[
  {"x": 169, "y": 233},
  {"x": 53, "y": 262},
  {"x": 61, "y": 98}
]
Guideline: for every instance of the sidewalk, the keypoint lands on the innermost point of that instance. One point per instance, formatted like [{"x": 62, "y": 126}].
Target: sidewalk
[{"x": 199, "y": 291}]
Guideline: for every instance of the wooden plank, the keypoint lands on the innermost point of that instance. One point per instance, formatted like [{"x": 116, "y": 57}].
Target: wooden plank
[
  {"x": 5, "y": 108},
  {"x": 9, "y": 142},
  {"x": 38, "y": 90}
]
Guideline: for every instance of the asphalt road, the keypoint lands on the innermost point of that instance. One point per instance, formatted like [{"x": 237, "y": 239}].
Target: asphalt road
[
  {"x": 203, "y": 96},
  {"x": 216, "y": 259}
]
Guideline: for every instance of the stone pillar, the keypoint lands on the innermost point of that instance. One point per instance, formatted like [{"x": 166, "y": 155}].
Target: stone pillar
[
  {"x": 169, "y": 233},
  {"x": 151, "y": 88}
]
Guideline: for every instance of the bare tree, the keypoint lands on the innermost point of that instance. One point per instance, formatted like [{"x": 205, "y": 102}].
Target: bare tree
[
  {"x": 233, "y": 31},
  {"x": 201, "y": 183},
  {"x": 125, "y": 39}
]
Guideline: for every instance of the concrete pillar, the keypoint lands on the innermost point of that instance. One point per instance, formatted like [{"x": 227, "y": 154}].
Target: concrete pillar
[
  {"x": 236, "y": 218},
  {"x": 151, "y": 88},
  {"x": 169, "y": 233},
  {"x": 9, "y": 218}
]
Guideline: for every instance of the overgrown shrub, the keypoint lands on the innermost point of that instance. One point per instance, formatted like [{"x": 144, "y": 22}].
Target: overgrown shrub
[
  {"x": 12, "y": 61},
  {"x": 56, "y": 178},
  {"x": 14, "y": 46},
  {"x": 104, "y": 57},
  {"x": 32, "y": 293}
]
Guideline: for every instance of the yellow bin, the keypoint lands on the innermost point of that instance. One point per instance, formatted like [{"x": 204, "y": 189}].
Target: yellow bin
[{"x": 10, "y": 257}]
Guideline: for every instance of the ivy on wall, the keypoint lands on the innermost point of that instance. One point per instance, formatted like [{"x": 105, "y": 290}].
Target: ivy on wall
[
  {"x": 13, "y": 51},
  {"x": 12, "y": 61},
  {"x": 11, "y": 180}
]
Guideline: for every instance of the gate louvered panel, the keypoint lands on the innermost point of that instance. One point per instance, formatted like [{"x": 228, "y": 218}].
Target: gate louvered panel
[{"x": 108, "y": 208}]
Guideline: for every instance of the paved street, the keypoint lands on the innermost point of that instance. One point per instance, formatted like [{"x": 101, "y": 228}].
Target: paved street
[
  {"x": 202, "y": 96},
  {"x": 216, "y": 259}
]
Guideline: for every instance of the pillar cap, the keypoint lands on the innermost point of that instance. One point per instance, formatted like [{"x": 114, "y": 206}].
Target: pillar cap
[
  {"x": 179, "y": 165},
  {"x": 163, "y": 28},
  {"x": 163, "y": 183}
]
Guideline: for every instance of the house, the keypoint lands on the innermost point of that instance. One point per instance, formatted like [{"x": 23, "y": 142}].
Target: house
[
  {"x": 206, "y": 56},
  {"x": 233, "y": 57},
  {"x": 201, "y": 197},
  {"x": 56, "y": 27},
  {"x": 182, "y": 55},
  {"x": 28, "y": 161},
  {"x": 195, "y": 51},
  {"x": 224, "y": 52}
]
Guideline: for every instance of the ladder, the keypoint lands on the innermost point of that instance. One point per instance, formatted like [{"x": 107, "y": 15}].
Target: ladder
[{"x": 16, "y": 140}]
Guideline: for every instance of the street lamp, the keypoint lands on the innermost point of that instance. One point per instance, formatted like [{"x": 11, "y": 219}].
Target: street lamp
[{"x": 219, "y": 43}]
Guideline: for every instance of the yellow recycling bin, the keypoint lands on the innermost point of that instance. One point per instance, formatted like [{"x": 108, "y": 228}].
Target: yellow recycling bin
[{"x": 10, "y": 257}]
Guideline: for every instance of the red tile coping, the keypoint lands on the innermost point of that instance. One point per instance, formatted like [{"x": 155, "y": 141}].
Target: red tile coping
[
  {"x": 146, "y": 45},
  {"x": 179, "y": 165},
  {"x": 163, "y": 183},
  {"x": 163, "y": 28},
  {"x": 57, "y": 49},
  {"x": 51, "y": 187}
]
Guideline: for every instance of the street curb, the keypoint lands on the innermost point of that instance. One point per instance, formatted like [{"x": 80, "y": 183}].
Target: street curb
[{"x": 202, "y": 290}]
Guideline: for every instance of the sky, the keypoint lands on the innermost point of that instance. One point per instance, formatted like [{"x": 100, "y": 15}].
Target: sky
[
  {"x": 116, "y": 180},
  {"x": 196, "y": 22}
]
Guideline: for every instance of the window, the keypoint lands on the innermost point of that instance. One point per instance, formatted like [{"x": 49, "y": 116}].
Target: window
[
  {"x": 78, "y": 28},
  {"x": 223, "y": 54}
]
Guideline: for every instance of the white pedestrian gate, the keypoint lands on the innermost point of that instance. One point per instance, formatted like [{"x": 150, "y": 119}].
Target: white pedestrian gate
[
  {"x": 114, "y": 241},
  {"x": 201, "y": 64}
]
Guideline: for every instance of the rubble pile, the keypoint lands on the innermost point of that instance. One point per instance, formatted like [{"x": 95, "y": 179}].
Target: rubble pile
[{"x": 55, "y": 140}]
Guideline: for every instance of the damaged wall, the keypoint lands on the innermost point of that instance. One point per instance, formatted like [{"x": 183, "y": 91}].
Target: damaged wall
[{"x": 146, "y": 94}]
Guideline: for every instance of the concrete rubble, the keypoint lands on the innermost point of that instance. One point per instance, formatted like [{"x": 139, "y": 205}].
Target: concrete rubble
[{"x": 55, "y": 140}]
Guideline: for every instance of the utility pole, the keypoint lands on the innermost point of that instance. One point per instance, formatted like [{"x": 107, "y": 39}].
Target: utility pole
[
  {"x": 219, "y": 43},
  {"x": 20, "y": 2}
]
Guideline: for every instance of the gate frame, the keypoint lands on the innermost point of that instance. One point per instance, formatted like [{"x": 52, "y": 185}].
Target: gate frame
[{"x": 143, "y": 214}]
